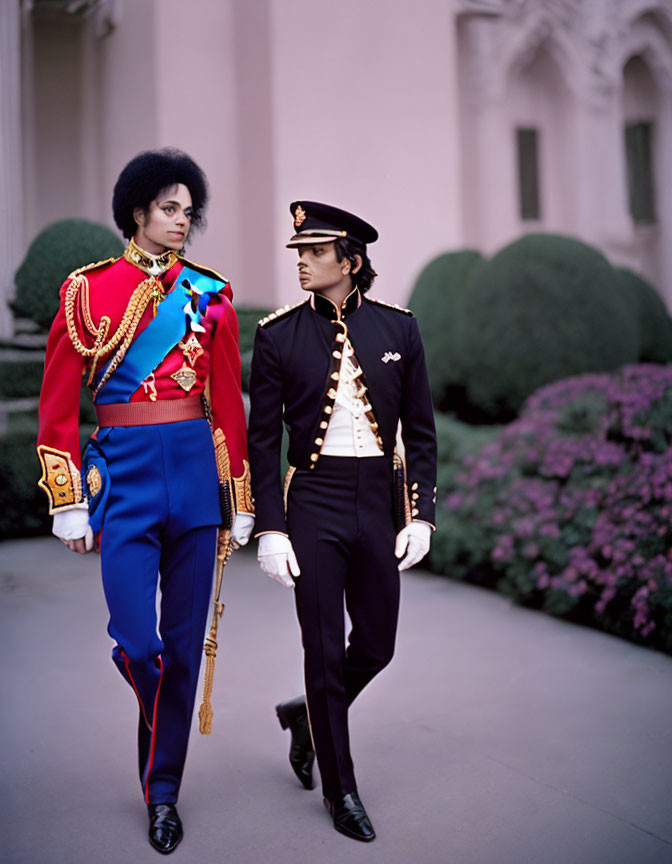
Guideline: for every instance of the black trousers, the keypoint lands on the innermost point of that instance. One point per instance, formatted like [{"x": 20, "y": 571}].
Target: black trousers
[{"x": 341, "y": 525}]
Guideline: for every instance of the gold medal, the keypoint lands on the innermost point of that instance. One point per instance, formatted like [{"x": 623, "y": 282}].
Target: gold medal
[{"x": 185, "y": 377}]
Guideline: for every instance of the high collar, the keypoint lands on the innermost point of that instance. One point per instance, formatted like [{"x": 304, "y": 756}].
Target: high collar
[
  {"x": 328, "y": 309},
  {"x": 154, "y": 265}
]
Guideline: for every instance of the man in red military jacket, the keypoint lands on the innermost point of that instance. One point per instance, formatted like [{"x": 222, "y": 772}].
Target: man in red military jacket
[{"x": 156, "y": 338}]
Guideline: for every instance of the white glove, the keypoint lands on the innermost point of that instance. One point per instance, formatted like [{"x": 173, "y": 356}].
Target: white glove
[
  {"x": 243, "y": 523},
  {"x": 277, "y": 559},
  {"x": 413, "y": 543},
  {"x": 72, "y": 527}
]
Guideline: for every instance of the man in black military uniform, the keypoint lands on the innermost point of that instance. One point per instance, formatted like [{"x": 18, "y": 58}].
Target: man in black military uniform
[{"x": 342, "y": 370}]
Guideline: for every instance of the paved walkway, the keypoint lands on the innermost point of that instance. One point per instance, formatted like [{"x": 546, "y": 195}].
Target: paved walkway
[{"x": 497, "y": 735}]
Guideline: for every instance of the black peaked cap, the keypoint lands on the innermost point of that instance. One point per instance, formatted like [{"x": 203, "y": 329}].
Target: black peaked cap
[{"x": 315, "y": 223}]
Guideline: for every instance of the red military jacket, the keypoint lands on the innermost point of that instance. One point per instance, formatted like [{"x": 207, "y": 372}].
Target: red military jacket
[{"x": 104, "y": 307}]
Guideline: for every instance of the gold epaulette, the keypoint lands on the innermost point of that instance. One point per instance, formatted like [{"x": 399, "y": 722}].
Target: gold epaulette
[
  {"x": 395, "y": 306},
  {"x": 207, "y": 271},
  {"x": 280, "y": 313},
  {"x": 93, "y": 266}
]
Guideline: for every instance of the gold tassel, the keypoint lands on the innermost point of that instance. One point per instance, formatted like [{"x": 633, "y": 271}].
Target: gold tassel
[{"x": 205, "y": 712}]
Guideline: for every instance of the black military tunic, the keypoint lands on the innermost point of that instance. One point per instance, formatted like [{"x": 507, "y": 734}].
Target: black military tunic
[{"x": 338, "y": 511}]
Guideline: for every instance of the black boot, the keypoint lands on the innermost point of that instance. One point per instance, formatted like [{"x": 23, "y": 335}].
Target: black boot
[
  {"x": 165, "y": 827},
  {"x": 350, "y": 817},
  {"x": 293, "y": 715}
]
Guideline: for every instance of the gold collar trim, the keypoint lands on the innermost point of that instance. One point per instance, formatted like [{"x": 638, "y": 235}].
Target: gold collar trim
[
  {"x": 154, "y": 265},
  {"x": 326, "y": 307}
]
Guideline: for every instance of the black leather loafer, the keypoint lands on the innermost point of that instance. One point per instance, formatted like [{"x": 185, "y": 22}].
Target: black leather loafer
[
  {"x": 293, "y": 715},
  {"x": 165, "y": 827},
  {"x": 350, "y": 817}
]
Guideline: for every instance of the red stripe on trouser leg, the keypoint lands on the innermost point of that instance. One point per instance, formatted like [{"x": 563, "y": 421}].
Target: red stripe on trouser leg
[
  {"x": 153, "y": 727},
  {"x": 127, "y": 664}
]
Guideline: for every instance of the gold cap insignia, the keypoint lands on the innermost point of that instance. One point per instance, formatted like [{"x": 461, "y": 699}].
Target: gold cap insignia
[
  {"x": 299, "y": 216},
  {"x": 93, "y": 481}
]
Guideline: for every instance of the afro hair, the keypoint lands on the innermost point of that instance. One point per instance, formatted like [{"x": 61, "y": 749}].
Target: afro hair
[{"x": 147, "y": 175}]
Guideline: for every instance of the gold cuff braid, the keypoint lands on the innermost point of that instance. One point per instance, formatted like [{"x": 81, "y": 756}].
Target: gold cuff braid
[
  {"x": 243, "y": 490},
  {"x": 286, "y": 484},
  {"x": 60, "y": 478}
]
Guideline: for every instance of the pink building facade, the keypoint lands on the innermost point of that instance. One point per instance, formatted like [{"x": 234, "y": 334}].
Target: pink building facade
[{"x": 446, "y": 123}]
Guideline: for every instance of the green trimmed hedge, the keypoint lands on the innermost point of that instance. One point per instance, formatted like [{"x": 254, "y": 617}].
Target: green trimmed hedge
[
  {"x": 20, "y": 376},
  {"x": 436, "y": 302},
  {"x": 653, "y": 320},
  {"x": 248, "y": 318},
  {"x": 24, "y": 508},
  {"x": 56, "y": 251},
  {"x": 544, "y": 308}
]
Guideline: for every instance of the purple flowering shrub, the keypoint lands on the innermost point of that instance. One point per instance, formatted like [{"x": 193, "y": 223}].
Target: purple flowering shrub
[{"x": 570, "y": 508}]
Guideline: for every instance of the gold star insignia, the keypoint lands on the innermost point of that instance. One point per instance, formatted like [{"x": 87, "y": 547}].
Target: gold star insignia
[{"x": 191, "y": 349}]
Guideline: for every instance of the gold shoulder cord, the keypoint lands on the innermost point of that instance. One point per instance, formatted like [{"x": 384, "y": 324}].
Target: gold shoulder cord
[{"x": 140, "y": 299}]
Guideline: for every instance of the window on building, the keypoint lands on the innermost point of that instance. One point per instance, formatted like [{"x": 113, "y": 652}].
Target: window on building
[
  {"x": 639, "y": 158},
  {"x": 527, "y": 145}
]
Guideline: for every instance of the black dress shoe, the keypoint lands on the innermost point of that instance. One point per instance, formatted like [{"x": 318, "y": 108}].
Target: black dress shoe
[
  {"x": 293, "y": 715},
  {"x": 165, "y": 827},
  {"x": 350, "y": 817}
]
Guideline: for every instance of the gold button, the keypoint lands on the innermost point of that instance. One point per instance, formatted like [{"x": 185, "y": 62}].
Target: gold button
[
  {"x": 374, "y": 427},
  {"x": 336, "y": 354},
  {"x": 323, "y": 424},
  {"x": 340, "y": 337},
  {"x": 328, "y": 409},
  {"x": 331, "y": 393},
  {"x": 335, "y": 376},
  {"x": 319, "y": 442},
  {"x": 414, "y": 486},
  {"x": 61, "y": 480},
  {"x": 313, "y": 457},
  {"x": 311, "y": 467},
  {"x": 414, "y": 512},
  {"x": 415, "y": 495}
]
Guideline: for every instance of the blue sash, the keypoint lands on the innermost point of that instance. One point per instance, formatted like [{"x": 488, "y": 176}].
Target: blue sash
[{"x": 160, "y": 336}]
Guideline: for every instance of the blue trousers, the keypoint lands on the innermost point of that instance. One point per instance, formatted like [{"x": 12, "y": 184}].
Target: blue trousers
[
  {"x": 341, "y": 524},
  {"x": 159, "y": 531}
]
